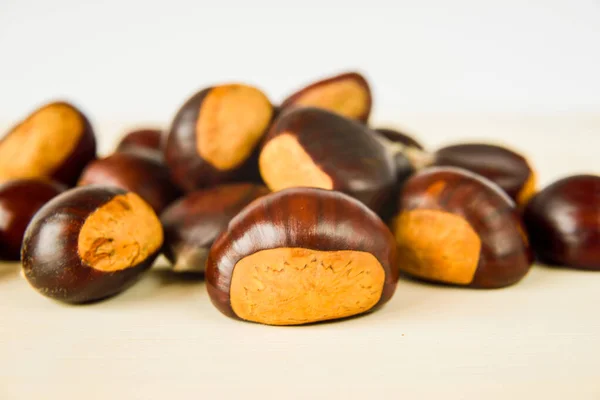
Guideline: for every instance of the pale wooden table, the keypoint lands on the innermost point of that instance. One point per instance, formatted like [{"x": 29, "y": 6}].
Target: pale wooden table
[{"x": 163, "y": 339}]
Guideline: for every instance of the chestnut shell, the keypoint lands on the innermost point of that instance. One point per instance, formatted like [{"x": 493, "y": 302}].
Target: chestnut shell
[{"x": 144, "y": 138}]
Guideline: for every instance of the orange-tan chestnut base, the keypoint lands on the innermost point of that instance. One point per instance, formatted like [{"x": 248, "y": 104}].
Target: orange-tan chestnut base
[{"x": 292, "y": 286}]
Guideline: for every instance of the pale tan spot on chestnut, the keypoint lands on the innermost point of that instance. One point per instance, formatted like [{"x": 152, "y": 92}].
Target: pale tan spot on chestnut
[
  {"x": 436, "y": 189},
  {"x": 120, "y": 234},
  {"x": 231, "y": 122},
  {"x": 293, "y": 286},
  {"x": 345, "y": 96},
  {"x": 528, "y": 190},
  {"x": 38, "y": 145},
  {"x": 284, "y": 163},
  {"x": 437, "y": 245}
]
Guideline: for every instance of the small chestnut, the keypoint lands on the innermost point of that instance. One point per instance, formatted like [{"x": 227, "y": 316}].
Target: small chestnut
[
  {"x": 563, "y": 222},
  {"x": 508, "y": 169},
  {"x": 136, "y": 170},
  {"x": 192, "y": 223},
  {"x": 459, "y": 228},
  {"x": 148, "y": 138},
  {"x": 396, "y": 136},
  {"x": 313, "y": 147},
  {"x": 347, "y": 94},
  {"x": 55, "y": 141},
  {"x": 214, "y": 135},
  {"x": 90, "y": 243},
  {"x": 302, "y": 255},
  {"x": 19, "y": 201}
]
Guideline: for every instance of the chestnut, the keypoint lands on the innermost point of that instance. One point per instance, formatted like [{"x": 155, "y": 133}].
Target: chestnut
[
  {"x": 192, "y": 223},
  {"x": 214, "y": 135},
  {"x": 347, "y": 94},
  {"x": 19, "y": 201},
  {"x": 507, "y": 168},
  {"x": 396, "y": 136},
  {"x": 302, "y": 255},
  {"x": 148, "y": 138},
  {"x": 136, "y": 170},
  {"x": 55, "y": 141},
  {"x": 317, "y": 148},
  {"x": 90, "y": 243},
  {"x": 563, "y": 222},
  {"x": 459, "y": 228}
]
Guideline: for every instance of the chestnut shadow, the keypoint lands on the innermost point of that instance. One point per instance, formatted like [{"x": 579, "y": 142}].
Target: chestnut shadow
[{"x": 10, "y": 270}]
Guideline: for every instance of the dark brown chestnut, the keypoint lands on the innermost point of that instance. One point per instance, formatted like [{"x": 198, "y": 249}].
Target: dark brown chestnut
[
  {"x": 459, "y": 228},
  {"x": 148, "y": 138},
  {"x": 55, "y": 141},
  {"x": 396, "y": 136},
  {"x": 136, "y": 170},
  {"x": 90, "y": 243},
  {"x": 312, "y": 147},
  {"x": 19, "y": 201},
  {"x": 347, "y": 94},
  {"x": 214, "y": 135},
  {"x": 506, "y": 168},
  {"x": 563, "y": 222},
  {"x": 302, "y": 255},
  {"x": 192, "y": 223}
]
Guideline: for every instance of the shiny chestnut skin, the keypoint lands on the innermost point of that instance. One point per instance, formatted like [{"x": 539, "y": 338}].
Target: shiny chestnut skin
[
  {"x": 347, "y": 94},
  {"x": 90, "y": 243},
  {"x": 459, "y": 228},
  {"x": 396, "y": 136},
  {"x": 563, "y": 222},
  {"x": 506, "y": 168},
  {"x": 317, "y": 148},
  {"x": 19, "y": 201},
  {"x": 215, "y": 135},
  {"x": 192, "y": 223},
  {"x": 137, "y": 170},
  {"x": 302, "y": 255},
  {"x": 148, "y": 138},
  {"x": 54, "y": 142}
]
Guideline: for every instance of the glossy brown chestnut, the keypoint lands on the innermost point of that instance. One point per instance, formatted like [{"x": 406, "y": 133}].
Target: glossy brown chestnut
[
  {"x": 19, "y": 201},
  {"x": 563, "y": 222},
  {"x": 90, "y": 243},
  {"x": 192, "y": 223},
  {"x": 214, "y": 135},
  {"x": 147, "y": 138},
  {"x": 347, "y": 94},
  {"x": 136, "y": 170},
  {"x": 459, "y": 228},
  {"x": 312, "y": 147},
  {"x": 504, "y": 167},
  {"x": 396, "y": 136},
  {"x": 302, "y": 255},
  {"x": 55, "y": 141}
]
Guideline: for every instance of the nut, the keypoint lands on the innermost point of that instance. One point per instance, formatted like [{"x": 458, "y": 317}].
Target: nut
[{"x": 146, "y": 138}]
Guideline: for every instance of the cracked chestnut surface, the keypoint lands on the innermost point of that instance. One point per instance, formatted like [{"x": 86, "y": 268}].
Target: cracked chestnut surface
[{"x": 302, "y": 255}]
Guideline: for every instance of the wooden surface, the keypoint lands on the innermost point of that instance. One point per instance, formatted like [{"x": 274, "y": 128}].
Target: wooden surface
[{"x": 163, "y": 339}]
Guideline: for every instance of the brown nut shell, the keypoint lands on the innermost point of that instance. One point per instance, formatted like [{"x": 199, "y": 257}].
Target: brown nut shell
[
  {"x": 396, "y": 136},
  {"x": 214, "y": 135},
  {"x": 347, "y": 94},
  {"x": 458, "y": 228},
  {"x": 312, "y": 147},
  {"x": 148, "y": 138},
  {"x": 506, "y": 168},
  {"x": 302, "y": 255},
  {"x": 19, "y": 201},
  {"x": 55, "y": 141},
  {"x": 192, "y": 223},
  {"x": 563, "y": 222},
  {"x": 135, "y": 170},
  {"x": 90, "y": 243}
]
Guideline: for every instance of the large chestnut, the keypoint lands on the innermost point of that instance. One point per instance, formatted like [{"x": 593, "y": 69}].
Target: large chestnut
[
  {"x": 55, "y": 141},
  {"x": 136, "y": 170},
  {"x": 192, "y": 223},
  {"x": 563, "y": 222},
  {"x": 302, "y": 255},
  {"x": 312, "y": 147},
  {"x": 214, "y": 135},
  {"x": 90, "y": 243},
  {"x": 148, "y": 138},
  {"x": 19, "y": 201},
  {"x": 459, "y": 228},
  {"x": 347, "y": 94}
]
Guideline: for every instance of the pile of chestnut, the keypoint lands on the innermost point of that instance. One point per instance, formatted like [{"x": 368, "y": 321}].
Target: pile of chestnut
[{"x": 296, "y": 213}]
